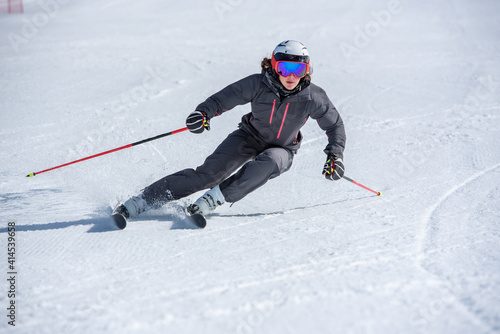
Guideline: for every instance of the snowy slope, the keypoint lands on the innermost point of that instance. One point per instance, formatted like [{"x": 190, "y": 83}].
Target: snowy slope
[{"x": 417, "y": 83}]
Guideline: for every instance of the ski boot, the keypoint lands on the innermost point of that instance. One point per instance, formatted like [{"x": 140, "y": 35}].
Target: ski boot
[
  {"x": 205, "y": 205},
  {"x": 131, "y": 208}
]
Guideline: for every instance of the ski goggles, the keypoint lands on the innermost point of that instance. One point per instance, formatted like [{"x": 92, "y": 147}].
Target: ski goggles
[{"x": 285, "y": 68}]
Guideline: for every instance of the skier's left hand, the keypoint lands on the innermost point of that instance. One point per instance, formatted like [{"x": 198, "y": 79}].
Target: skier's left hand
[{"x": 333, "y": 168}]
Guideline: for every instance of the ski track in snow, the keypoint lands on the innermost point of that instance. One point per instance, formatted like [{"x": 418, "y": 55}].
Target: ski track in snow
[
  {"x": 428, "y": 247},
  {"x": 431, "y": 211}
]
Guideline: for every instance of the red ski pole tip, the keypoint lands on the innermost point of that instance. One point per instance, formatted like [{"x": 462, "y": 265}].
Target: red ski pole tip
[{"x": 379, "y": 193}]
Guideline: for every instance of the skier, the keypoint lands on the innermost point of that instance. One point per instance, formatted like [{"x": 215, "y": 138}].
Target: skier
[{"x": 282, "y": 98}]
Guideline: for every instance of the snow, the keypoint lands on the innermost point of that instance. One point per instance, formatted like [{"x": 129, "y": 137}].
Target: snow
[{"x": 417, "y": 83}]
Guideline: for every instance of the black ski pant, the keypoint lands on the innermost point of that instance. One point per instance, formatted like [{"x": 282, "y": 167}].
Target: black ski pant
[{"x": 260, "y": 163}]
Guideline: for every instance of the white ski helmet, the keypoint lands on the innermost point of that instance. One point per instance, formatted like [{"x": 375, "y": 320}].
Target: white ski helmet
[{"x": 292, "y": 51}]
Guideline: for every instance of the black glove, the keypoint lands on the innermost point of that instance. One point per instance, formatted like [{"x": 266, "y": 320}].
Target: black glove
[
  {"x": 334, "y": 168},
  {"x": 197, "y": 122}
]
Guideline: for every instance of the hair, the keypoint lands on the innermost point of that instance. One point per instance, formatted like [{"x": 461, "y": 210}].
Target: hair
[{"x": 267, "y": 64}]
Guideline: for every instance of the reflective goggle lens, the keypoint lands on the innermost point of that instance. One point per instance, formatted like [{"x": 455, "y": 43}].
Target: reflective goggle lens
[{"x": 285, "y": 68}]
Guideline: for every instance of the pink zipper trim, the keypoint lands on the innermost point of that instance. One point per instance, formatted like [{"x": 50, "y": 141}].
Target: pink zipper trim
[
  {"x": 283, "y": 121},
  {"x": 272, "y": 112}
]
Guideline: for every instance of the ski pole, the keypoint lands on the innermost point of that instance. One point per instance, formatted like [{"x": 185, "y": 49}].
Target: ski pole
[
  {"x": 379, "y": 193},
  {"x": 110, "y": 151}
]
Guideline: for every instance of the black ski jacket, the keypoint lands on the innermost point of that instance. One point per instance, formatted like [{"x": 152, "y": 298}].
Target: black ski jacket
[{"x": 277, "y": 122}]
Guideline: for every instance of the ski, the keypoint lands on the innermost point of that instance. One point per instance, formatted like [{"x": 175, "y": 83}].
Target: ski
[
  {"x": 120, "y": 215},
  {"x": 197, "y": 219},
  {"x": 119, "y": 220}
]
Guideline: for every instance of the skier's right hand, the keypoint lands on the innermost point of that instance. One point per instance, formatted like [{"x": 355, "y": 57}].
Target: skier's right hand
[{"x": 197, "y": 122}]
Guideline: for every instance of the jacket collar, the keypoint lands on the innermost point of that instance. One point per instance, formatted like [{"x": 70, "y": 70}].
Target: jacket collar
[{"x": 301, "y": 93}]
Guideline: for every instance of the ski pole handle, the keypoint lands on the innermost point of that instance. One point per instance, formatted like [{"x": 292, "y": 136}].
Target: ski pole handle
[
  {"x": 379, "y": 193},
  {"x": 110, "y": 151}
]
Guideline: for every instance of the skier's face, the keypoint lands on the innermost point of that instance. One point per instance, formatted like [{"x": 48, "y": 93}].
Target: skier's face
[{"x": 290, "y": 82}]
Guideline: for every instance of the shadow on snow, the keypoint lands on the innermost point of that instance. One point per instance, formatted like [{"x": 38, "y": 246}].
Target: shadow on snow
[{"x": 100, "y": 223}]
